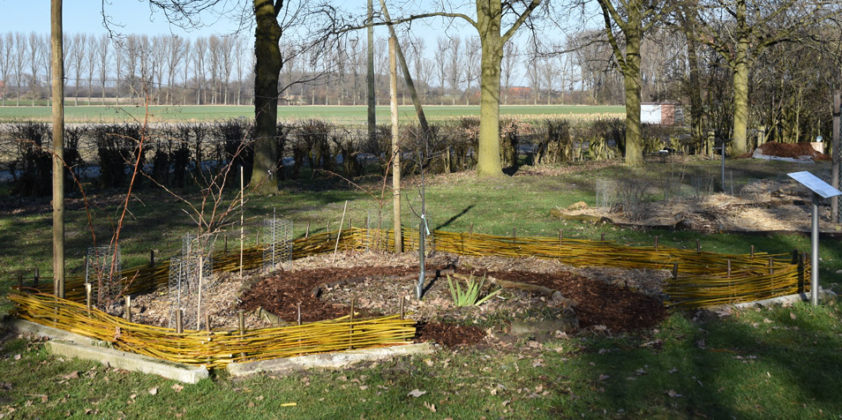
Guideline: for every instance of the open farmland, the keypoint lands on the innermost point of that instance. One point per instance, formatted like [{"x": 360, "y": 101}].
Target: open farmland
[{"x": 350, "y": 115}]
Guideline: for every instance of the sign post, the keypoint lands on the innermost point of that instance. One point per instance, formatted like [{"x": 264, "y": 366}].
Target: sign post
[{"x": 820, "y": 189}]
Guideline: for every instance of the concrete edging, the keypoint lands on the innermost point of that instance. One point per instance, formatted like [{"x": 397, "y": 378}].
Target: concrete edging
[
  {"x": 130, "y": 361},
  {"x": 335, "y": 360},
  {"x": 68, "y": 344}
]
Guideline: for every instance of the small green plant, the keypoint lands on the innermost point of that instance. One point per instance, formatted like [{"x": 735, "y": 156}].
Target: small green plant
[{"x": 470, "y": 296}]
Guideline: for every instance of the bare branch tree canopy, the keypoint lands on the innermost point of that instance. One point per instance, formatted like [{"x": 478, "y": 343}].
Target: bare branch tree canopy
[
  {"x": 741, "y": 30},
  {"x": 271, "y": 20},
  {"x": 495, "y": 22}
]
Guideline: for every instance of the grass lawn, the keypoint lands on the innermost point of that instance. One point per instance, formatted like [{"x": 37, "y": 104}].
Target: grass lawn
[
  {"x": 339, "y": 114},
  {"x": 770, "y": 363}
]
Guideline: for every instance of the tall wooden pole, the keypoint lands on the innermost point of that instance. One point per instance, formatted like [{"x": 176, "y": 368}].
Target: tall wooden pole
[
  {"x": 372, "y": 99},
  {"x": 837, "y": 115},
  {"x": 57, "y": 63},
  {"x": 396, "y": 154}
]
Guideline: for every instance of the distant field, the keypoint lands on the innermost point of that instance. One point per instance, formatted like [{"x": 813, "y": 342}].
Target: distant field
[{"x": 338, "y": 114}]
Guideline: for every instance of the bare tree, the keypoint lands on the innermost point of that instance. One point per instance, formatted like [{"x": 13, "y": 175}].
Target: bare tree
[
  {"x": 199, "y": 66},
  {"x": 119, "y": 59},
  {"x": 455, "y": 67},
  {"x": 77, "y": 60},
  {"x": 442, "y": 47},
  {"x": 159, "y": 52},
  {"x": 186, "y": 77},
  {"x": 19, "y": 61},
  {"x": 227, "y": 64},
  {"x": 35, "y": 58},
  {"x": 175, "y": 54},
  {"x": 57, "y": 89},
  {"x": 91, "y": 58},
  {"x": 533, "y": 71},
  {"x": 6, "y": 46},
  {"x": 239, "y": 56},
  {"x": 103, "y": 56},
  {"x": 510, "y": 53},
  {"x": 473, "y": 54}
]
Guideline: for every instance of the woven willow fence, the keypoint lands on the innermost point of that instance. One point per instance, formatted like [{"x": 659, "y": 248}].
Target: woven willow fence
[{"x": 700, "y": 279}]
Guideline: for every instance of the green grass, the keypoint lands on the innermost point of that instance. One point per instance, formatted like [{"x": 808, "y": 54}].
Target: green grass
[
  {"x": 746, "y": 366},
  {"x": 339, "y": 114}
]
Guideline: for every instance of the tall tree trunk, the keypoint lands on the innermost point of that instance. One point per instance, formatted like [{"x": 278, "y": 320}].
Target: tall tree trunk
[
  {"x": 631, "y": 82},
  {"x": 369, "y": 80},
  {"x": 740, "y": 69},
  {"x": 267, "y": 71},
  {"x": 695, "y": 93},
  {"x": 488, "y": 157},
  {"x": 58, "y": 148}
]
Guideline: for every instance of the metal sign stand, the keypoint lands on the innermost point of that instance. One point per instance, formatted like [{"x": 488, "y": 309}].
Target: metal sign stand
[{"x": 820, "y": 189}]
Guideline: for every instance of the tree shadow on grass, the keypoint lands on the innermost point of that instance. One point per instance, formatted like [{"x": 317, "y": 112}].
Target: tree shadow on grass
[{"x": 778, "y": 363}]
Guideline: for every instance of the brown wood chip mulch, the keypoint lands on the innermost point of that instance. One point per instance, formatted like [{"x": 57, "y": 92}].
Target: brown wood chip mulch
[{"x": 599, "y": 303}]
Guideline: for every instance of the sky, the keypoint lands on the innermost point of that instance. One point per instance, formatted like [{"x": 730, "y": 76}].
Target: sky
[{"x": 135, "y": 17}]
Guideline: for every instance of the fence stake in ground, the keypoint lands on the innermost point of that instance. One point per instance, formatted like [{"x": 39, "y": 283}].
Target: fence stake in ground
[
  {"x": 656, "y": 243},
  {"x": 729, "y": 268},
  {"x": 675, "y": 270},
  {"x": 242, "y": 212},
  {"x": 752, "y": 252},
  {"x": 561, "y": 237},
  {"x": 151, "y": 257},
  {"x": 128, "y": 308},
  {"x": 336, "y": 247},
  {"x": 402, "y": 299},
  {"x": 179, "y": 324},
  {"x": 307, "y": 232},
  {"x": 20, "y": 280},
  {"x": 88, "y": 297},
  {"x": 299, "y": 313},
  {"x": 698, "y": 246}
]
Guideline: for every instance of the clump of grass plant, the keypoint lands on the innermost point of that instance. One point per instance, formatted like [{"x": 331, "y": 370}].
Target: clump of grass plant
[{"x": 471, "y": 295}]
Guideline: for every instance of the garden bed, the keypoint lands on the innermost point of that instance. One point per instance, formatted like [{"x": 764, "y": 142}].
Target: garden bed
[{"x": 604, "y": 298}]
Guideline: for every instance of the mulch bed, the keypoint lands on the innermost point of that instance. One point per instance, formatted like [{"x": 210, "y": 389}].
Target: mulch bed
[
  {"x": 599, "y": 304},
  {"x": 791, "y": 150}
]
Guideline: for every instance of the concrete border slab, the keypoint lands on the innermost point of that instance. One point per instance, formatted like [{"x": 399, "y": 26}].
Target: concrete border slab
[
  {"x": 336, "y": 360},
  {"x": 22, "y": 326},
  {"x": 129, "y": 361}
]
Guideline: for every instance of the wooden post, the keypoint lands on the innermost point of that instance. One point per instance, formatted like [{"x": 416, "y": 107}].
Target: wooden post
[
  {"x": 729, "y": 268},
  {"x": 179, "y": 323},
  {"x": 225, "y": 250},
  {"x": 471, "y": 229},
  {"x": 602, "y": 237},
  {"x": 514, "y": 233},
  {"x": 396, "y": 154},
  {"x": 307, "y": 232},
  {"x": 794, "y": 256},
  {"x": 208, "y": 322},
  {"x": 561, "y": 237},
  {"x": 402, "y": 313},
  {"x": 656, "y": 243},
  {"x": 88, "y": 297},
  {"x": 37, "y": 277},
  {"x": 242, "y": 231},
  {"x": 342, "y": 221},
  {"x": 328, "y": 230},
  {"x": 771, "y": 266},
  {"x": 752, "y": 252},
  {"x": 20, "y": 280},
  {"x": 836, "y": 157},
  {"x": 241, "y": 321},
  {"x": 675, "y": 270},
  {"x": 299, "y": 313},
  {"x": 128, "y": 314},
  {"x": 151, "y": 257},
  {"x": 199, "y": 300},
  {"x": 698, "y": 246}
]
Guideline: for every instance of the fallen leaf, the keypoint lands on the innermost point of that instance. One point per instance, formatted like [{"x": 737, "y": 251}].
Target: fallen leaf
[
  {"x": 416, "y": 393},
  {"x": 493, "y": 391},
  {"x": 539, "y": 388},
  {"x": 640, "y": 372},
  {"x": 251, "y": 404},
  {"x": 673, "y": 370},
  {"x": 44, "y": 398},
  {"x": 71, "y": 375},
  {"x": 603, "y": 351},
  {"x": 505, "y": 403},
  {"x": 431, "y": 407},
  {"x": 153, "y": 391},
  {"x": 673, "y": 394},
  {"x": 177, "y": 387},
  {"x": 537, "y": 362},
  {"x": 792, "y": 315},
  {"x": 767, "y": 321},
  {"x": 363, "y": 387},
  {"x": 17, "y": 357},
  {"x": 603, "y": 377},
  {"x": 133, "y": 396}
]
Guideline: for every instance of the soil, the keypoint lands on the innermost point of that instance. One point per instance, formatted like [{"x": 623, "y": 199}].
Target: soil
[{"x": 606, "y": 298}]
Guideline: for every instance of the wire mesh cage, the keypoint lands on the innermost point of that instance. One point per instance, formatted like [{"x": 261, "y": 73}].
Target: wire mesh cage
[
  {"x": 278, "y": 237},
  {"x": 190, "y": 275},
  {"x": 606, "y": 193},
  {"x": 103, "y": 267}
]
